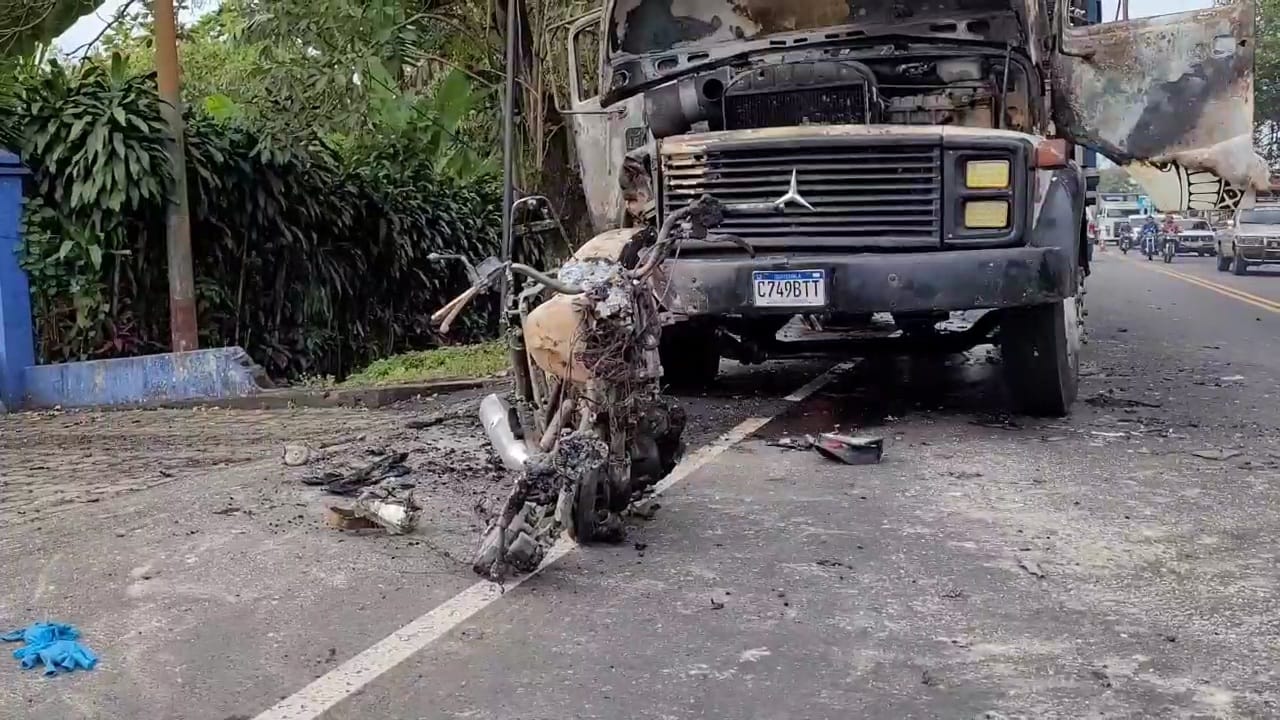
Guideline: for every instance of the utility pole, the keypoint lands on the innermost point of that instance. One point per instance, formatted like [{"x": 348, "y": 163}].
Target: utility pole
[
  {"x": 509, "y": 88},
  {"x": 182, "y": 287}
]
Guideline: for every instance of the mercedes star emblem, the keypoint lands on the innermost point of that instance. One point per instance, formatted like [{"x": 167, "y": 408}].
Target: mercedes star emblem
[{"x": 792, "y": 196}]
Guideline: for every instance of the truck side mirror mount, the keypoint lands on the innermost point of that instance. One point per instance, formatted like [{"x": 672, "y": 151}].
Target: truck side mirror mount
[{"x": 1062, "y": 23}]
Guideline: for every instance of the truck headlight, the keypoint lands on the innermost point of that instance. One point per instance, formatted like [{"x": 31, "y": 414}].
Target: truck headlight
[
  {"x": 986, "y": 214},
  {"x": 986, "y": 174}
]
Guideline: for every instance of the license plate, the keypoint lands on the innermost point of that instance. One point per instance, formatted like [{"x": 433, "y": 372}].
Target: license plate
[{"x": 789, "y": 288}]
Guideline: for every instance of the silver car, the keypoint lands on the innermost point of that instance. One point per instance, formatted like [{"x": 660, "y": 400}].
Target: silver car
[
  {"x": 1195, "y": 236},
  {"x": 1253, "y": 239}
]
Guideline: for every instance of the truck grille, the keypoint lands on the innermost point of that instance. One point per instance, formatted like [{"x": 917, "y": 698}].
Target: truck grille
[
  {"x": 870, "y": 196},
  {"x": 791, "y": 108}
]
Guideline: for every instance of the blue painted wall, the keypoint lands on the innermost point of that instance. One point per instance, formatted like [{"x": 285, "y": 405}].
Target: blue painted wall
[
  {"x": 17, "y": 342},
  {"x": 214, "y": 374}
]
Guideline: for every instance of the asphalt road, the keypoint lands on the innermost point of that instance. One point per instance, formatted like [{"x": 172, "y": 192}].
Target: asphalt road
[{"x": 992, "y": 566}]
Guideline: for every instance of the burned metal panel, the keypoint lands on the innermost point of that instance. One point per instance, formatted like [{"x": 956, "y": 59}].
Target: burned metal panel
[
  {"x": 695, "y": 143},
  {"x": 602, "y": 139},
  {"x": 639, "y": 27},
  {"x": 1170, "y": 98}
]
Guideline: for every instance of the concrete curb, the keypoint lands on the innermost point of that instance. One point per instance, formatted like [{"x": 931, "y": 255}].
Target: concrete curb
[
  {"x": 287, "y": 398},
  {"x": 216, "y": 377},
  {"x": 369, "y": 397}
]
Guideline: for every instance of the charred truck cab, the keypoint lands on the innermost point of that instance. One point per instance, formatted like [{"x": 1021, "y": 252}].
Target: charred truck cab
[{"x": 914, "y": 157}]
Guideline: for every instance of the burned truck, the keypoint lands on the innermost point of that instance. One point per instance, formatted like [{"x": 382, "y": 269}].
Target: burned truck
[{"x": 911, "y": 157}]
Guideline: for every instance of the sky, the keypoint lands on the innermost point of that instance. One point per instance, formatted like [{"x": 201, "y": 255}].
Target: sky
[{"x": 88, "y": 27}]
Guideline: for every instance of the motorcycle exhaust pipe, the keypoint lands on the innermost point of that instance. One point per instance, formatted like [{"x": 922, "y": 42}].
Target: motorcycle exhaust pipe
[{"x": 495, "y": 415}]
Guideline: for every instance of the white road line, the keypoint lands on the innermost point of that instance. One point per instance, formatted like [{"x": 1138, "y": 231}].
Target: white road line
[{"x": 336, "y": 685}]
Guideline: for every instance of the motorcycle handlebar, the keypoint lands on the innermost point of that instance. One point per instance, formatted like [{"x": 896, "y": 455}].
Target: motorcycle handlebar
[
  {"x": 706, "y": 212},
  {"x": 539, "y": 276}
]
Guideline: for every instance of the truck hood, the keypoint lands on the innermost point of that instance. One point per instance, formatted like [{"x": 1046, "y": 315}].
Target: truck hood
[
  {"x": 642, "y": 27},
  {"x": 1252, "y": 230}
]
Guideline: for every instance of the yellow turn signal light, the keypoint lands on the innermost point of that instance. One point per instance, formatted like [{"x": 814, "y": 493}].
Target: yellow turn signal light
[
  {"x": 986, "y": 214},
  {"x": 986, "y": 174}
]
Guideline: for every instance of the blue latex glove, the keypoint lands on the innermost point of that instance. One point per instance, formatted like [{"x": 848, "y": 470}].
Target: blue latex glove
[
  {"x": 42, "y": 633},
  {"x": 52, "y": 644},
  {"x": 66, "y": 655}
]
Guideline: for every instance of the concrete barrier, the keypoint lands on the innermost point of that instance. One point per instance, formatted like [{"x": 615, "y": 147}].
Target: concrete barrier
[{"x": 214, "y": 374}]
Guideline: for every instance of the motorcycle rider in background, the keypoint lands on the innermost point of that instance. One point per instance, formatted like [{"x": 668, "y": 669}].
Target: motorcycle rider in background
[
  {"x": 1169, "y": 229},
  {"x": 1150, "y": 230}
]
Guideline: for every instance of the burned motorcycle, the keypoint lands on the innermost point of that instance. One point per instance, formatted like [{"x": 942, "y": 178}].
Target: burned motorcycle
[{"x": 586, "y": 427}]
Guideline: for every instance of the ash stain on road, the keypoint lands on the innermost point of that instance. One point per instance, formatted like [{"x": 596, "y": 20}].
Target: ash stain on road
[{"x": 919, "y": 563}]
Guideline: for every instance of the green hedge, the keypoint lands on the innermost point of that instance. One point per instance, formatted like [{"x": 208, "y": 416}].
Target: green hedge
[{"x": 315, "y": 263}]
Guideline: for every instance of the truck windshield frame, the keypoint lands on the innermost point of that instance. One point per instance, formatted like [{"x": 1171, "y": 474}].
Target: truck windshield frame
[
  {"x": 646, "y": 27},
  {"x": 1260, "y": 216}
]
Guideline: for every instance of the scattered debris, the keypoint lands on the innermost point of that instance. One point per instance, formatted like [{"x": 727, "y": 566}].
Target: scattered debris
[
  {"x": 1105, "y": 434},
  {"x": 798, "y": 443},
  {"x": 346, "y": 519},
  {"x": 929, "y": 679},
  {"x": 1108, "y": 399},
  {"x": 338, "y": 483},
  {"x": 54, "y": 645},
  {"x": 753, "y": 655},
  {"x": 460, "y": 411},
  {"x": 296, "y": 455},
  {"x": 233, "y": 510},
  {"x": 997, "y": 421},
  {"x": 645, "y": 510},
  {"x": 1052, "y": 438},
  {"x": 1100, "y": 674},
  {"x": 1217, "y": 454},
  {"x": 399, "y": 515},
  {"x": 850, "y": 450},
  {"x": 1032, "y": 567},
  {"x": 953, "y": 593},
  {"x": 1232, "y": 378},
  {"x": 1169, "y": 638},
  {"x": 833, "y": 564},
  {"x": 964, "y": 474},
  {"x": 716, "y": 604}
]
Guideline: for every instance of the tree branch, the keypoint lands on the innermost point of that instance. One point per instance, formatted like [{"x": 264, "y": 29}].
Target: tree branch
[{"x": 124, "y": 9}]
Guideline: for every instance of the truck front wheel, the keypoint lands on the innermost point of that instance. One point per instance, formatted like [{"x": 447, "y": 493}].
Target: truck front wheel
[
  {"x": 1041, "y": 350},
  {"x": 690, "y": 354}
]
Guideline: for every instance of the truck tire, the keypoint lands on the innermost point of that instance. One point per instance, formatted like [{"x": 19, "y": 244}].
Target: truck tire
[
  {"x": 1224, "y": 263},
  {"x": 690, "y": 354},
  {"x": 1041, "y": 350},
  {"x": 1239, "y": 266}
]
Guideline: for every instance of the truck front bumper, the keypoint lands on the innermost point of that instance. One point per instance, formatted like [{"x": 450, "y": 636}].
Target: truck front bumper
[
  {"x": 1258, "y": 253},
  {"x": 878, "y": 282}
]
